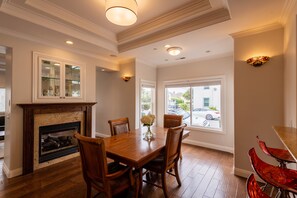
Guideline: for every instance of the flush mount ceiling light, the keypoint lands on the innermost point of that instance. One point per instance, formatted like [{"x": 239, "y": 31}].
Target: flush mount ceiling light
[
  {"x": 174, "y": 51},
  {"x": 121, "y": 12},
  {"x": 257, "y": 61}
]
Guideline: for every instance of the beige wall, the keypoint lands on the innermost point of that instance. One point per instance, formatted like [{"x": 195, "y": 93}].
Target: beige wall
[
  {"x": 258, "y": 95},
  {"x": 2, "y": 78},
  {"x": 213, "y": 67},
  {"x": 22, "y": 89},
  {"x": 290, "y": 118},
  {"x": 115, "y": 97}
]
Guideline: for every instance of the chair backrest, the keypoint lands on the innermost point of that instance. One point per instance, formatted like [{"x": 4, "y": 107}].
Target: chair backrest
[
  {"x": 263, "y": 146},
  {"x": 118, "y": 126},
  {"x": 172, "y": 120},
  {"x": 173, "y": 145},
  {"x": 93, "y": 158},
  {"x": 253, "y": 189}
]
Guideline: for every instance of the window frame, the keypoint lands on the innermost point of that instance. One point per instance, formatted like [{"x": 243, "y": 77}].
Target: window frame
[
  {"x": 148, "y": 84},
  {"x": 200, "y": 81}
]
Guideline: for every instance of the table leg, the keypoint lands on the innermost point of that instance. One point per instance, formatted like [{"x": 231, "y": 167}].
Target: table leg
[{"x": 140, "y": 182}]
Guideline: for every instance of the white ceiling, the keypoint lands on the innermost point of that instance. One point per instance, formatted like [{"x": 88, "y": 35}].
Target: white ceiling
[{"x": 54, "y": 21}]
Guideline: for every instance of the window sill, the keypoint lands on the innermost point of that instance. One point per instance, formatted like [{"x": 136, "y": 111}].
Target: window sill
[{"x": 206, "y": 130}]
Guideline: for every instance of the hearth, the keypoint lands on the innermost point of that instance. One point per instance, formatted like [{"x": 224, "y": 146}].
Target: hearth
[{"x": 57, "y": 140}]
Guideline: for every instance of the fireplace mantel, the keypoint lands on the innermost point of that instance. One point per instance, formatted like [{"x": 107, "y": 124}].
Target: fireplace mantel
[{"x": 30, "y": 110}]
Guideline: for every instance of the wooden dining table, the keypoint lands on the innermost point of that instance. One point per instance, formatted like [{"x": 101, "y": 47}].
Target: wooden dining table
[{"x": 130, "y": 148}]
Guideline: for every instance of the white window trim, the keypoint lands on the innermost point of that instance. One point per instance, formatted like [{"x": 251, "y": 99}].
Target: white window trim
[
  {"x": 152, "y": 84},
  {"x": 202, "y": 80}
]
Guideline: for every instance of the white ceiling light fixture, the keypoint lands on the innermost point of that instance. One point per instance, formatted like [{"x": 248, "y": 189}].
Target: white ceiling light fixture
[
  {"x": 174, "y": 51},
  {"x": 121, "y": 12}
]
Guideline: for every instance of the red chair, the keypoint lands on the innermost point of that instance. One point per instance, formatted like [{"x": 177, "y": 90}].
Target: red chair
[
  {"x": 283, "y": 179},
  {"x": 281, "y": 155},
  {"x": 253, "y": 189}
]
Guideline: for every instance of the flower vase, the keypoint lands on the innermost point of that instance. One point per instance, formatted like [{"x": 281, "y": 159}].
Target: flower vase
[{"x": 148, "y": 136}]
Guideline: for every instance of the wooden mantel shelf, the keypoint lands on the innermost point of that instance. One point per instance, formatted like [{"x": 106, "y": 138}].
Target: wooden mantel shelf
[
  {"x": 31, "y": 109},
  {"x": 288, "y": 136}
]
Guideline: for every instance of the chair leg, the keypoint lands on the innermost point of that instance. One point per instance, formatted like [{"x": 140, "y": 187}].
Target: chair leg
[
  {"x": 164, "y": 186},
  {"x": 89, "y": 191},
  {"x": 176, "y": 173}
]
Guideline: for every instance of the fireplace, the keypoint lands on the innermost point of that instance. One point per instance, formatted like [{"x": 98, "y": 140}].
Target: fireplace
[
  {"x": 38, "y": 116},
  {"x": 57, "y": 140}
]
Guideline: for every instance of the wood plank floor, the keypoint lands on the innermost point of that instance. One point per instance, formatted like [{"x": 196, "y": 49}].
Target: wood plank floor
[{"x": 204, "y": 173}]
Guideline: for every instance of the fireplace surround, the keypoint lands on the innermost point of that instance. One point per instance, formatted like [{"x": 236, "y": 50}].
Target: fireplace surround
[{"x": 41, "y": 114}]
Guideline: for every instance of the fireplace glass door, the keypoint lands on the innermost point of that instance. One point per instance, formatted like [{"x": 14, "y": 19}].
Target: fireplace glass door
[{"x": 57, "y": 140}]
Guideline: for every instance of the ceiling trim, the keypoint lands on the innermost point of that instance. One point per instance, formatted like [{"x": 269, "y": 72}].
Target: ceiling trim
[
  {"x": 182, "y": 13},
  {"x": 258, "y": 30},
  {"x": 25, "y": 14},
  {"x": 214, "y": 17},
  {"x": 287, "y": 10},
  {"x": 63, "y": 14},
  {"x": 27, "y": 37}
]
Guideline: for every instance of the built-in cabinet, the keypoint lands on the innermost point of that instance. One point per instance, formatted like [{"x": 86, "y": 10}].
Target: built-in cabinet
[{"x": 57, "y": 80}]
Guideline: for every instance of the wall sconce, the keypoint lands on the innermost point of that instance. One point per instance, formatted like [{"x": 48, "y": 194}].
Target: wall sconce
[
  {"x": 257, "y": 61},
  {"x": 126, "y": 78}
]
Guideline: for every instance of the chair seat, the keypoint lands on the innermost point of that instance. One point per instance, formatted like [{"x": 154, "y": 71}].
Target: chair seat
[
  {"x": 156, "y": 164},
  {"x": 282, "y": 178},
  {"x": 253, "y": 189},
  {"x": 281, "y": 155}
]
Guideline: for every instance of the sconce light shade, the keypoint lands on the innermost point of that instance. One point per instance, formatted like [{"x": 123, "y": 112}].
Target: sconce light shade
[
  {"x": 257, "y": 61},
  {"x": 174, "y": 51},
  {"x": 126, "y": 78},
  {"x": 121, "y": 12}
]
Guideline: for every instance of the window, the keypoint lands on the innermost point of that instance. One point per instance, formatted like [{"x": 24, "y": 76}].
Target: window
[
  {"x": 2, "y": 99},
  {"x": 206, "y": 102},
  {"x": 199, "y": 101},
  {"x": 147, "y": 100}
]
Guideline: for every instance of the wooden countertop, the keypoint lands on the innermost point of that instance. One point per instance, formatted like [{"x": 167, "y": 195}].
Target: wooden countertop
[{"x": 288, "y": 136}]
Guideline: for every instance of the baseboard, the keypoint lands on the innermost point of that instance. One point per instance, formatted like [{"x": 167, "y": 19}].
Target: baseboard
[
  {"x": 12, "y": 173},
  {"x": 211, "y": 146},
  {"x": 245, "y": 173},
  {"x": 97, "y": 134}
]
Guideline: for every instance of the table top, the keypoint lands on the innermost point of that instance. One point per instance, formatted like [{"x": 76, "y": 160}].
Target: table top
[
  {"x": 131, "y": 149},
  {"x": 288, "y": 136}
]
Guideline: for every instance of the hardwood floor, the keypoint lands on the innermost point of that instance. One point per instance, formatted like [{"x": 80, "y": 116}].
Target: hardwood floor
[{"x": 204, "y": 173}]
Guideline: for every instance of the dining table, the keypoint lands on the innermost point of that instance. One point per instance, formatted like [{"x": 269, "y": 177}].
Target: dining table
[
  {"x": 288, "y": 136},
  {"x": 133, "y": 150}
]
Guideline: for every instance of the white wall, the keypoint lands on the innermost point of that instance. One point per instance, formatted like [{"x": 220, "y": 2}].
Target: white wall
[
  {"x": 115, "y": 97},
  {"x": 258, "y": 95},
  {"x": 213, "y": 67},
  {"x": 290, "y": 108},
  {"x": 22, "y": 89}
]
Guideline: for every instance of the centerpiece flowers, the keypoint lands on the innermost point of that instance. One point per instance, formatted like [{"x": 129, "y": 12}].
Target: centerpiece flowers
[{"x": 148, "y": 121}]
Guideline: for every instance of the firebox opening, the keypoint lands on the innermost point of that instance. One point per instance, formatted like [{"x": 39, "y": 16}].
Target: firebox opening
[{"x": 57, "y": 140}]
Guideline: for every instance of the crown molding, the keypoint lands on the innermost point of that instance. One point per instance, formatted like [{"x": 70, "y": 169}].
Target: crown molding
[
  {"x": 214, "y": 17},
  {"x": 65, "y": 15},
  {"x": 258, "y": 30},
  {"x": 287, "y": 10},
  {"x": 27, "y": 37},
  {"x": 14, "y": 10},
  {"x": 190, "y": 9}
]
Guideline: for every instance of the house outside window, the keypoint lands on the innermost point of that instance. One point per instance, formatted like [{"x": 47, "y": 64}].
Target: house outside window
[
  {"x": 198, "y": 100},
  {"x": 147, "y": 98}
]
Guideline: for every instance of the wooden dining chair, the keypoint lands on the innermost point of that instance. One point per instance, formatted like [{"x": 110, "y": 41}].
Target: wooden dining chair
[
  {"x": 96, "y": 171},
  {"x": 168, "y": 160},
  {"x": 118, "y": 126},
  {"x": 172, "y": 120},
  {"x": 253, "y": 189}
]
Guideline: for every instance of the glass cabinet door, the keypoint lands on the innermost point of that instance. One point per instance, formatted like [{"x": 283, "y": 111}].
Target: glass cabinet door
[
  {"x": 50, "y": 78},
  {"x": 72, "y": 81}
]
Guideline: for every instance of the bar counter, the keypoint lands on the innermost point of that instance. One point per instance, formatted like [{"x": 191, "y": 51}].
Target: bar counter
[{"x": 288, "y": 136}]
